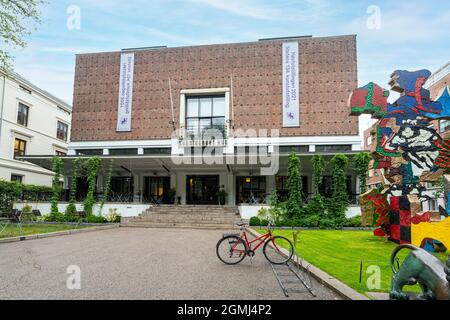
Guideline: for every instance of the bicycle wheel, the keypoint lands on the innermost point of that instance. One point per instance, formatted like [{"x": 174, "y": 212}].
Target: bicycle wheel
[
  {"x": 278, "y": 250},
  {"x": 231, "y": 250}
]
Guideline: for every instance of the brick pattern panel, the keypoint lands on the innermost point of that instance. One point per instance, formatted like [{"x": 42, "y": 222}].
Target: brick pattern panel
[{"x": 328, "y": 73}]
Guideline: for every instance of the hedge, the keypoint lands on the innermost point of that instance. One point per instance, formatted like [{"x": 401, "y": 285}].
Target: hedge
[{"x": 14, "y": 191}]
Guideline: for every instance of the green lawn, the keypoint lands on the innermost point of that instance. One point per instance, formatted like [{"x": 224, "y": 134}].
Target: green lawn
[
  {"x": 339, "y": 253},
  {"x": 28, "y": 229}
]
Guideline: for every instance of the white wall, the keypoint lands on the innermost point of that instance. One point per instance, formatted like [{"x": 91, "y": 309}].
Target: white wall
[
  {"x": 124, "y": 209},
  {"x": 40, "y": 133},
  {"x": 248, "y": 211}
]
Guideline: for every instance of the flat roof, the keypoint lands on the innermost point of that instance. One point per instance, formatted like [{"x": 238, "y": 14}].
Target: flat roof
[{"x": 259, "y": 41}]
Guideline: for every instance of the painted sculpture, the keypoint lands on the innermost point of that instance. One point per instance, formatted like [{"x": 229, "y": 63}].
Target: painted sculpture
[
  {"x": 410, "y": 155},
  {"x": 423, "y": 268}
]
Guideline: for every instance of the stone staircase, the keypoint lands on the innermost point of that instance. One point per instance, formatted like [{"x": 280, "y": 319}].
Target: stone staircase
[{"x": 186, "y": 216}]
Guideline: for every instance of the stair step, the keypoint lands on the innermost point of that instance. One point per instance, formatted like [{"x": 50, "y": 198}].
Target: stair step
[{"x": 179, "y": 225}]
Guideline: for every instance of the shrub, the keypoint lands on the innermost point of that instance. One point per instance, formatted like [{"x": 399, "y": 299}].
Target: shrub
[
  {"x": 113, "y": 216},
  {"x": 255, "y": 221},
  {"x": 95, "y": 219},
  {"x": 27, "y": 213},
  {"x": 9, "y": 192},
  {"x": 327, "y": 223},
  {"x": 353, "y": 222},
  {"x": 92, "y": 166},
  {"x": 312, "y": 221}
]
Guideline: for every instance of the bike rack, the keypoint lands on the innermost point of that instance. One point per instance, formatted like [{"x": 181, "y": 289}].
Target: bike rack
[{"x": 293, "y": 273}]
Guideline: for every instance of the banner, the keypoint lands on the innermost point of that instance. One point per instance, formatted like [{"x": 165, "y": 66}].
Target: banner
[
  {"x": 291, "y": 106},
  {"x": 125, "y": 92}
]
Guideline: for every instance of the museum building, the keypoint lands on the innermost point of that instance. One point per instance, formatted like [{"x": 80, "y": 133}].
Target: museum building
[{"x": 149, "y": 110}]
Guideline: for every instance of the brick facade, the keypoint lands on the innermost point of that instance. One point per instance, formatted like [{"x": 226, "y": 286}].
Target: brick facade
[{"x": 328, "y": 73}]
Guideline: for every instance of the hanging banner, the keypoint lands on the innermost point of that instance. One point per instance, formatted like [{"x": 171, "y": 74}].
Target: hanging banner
[
  {"x": 125, "y": 92},
  {"x": 291, "y": 106}
]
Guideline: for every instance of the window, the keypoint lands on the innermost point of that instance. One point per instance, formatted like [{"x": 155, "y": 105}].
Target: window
[
  {"x": 123, "y": 151},
  {"x": 204, "y": 113},
  {"x": 251, "y": 189},
  {"x": 444, "y": 125},
  {"x": 25, "y": 89},
  {"x": 296, "y": 149},
  {"x": 333, "y": 148},
  {"x": 157, "y": 151},
  {"x": 62, "y": 130},
  {"x": 89, "y": 152},
  {"x": 22, "y": 114},
  {"x": 16, "y": 178},
  {"x": 19, "y": 147}
]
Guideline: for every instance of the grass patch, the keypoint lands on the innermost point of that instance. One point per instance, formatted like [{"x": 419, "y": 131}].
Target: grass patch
[
  {"x": 30, "y": 229},
  {"x": 340, "y": 252}
]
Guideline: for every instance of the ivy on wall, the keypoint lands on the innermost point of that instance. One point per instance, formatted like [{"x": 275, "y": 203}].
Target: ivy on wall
[
  {"x": 57, "y": 168},
  {"x": 361, "y": 162},
  {"x": 318, "y": 164},
  {"x": 339, "y": 199},
  {"x": 77, "y": 166},
  {"x": 92, "y": 165},
  {"x": 294, "y": 204},
  {"x": 107, "y": 189}
]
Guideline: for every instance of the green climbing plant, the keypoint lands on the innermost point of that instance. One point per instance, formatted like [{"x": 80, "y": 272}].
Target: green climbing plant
[
  {"x": 361, "y": 163},
  {"x": 92, "y": 165},
  {"x": 294, "y": 204},
  {"x": 318, "y": 164},
  {"x": 107, "y": 188},
  {"x": 57, "y": 168},
  {"x": 77, "y": 166},
  {"x": 339, "y": 200}
]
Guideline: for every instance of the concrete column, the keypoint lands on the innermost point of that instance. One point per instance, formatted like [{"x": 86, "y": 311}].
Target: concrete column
[
  {"x": 270, "y": 184},
  {"x": 231, "y": 188},
  {"x": 137, "y": 187}
]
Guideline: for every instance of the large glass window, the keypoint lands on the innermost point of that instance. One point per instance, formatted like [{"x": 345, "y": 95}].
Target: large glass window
[
  {"x": 251, "y": 190},
  {"x": 22, "y": 114},
  {"x": 16, "y": 178},
  {"x": 204, "y": 113},
  {"x": 20, "y": 147},
  {"x": 283, "y": 189}
]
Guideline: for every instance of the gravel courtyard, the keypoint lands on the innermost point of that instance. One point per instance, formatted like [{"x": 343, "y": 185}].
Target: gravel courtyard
[{"x": 134, "y": 263}]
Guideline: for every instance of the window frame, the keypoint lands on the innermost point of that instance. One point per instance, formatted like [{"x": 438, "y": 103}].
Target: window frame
[
  {"x": 199, "y": 118},
  {"x": 18, "y": 151},
  {"x": 65, "y": 133},
  {"x": 20, "y": 176},
  {"x": 21, "y": 104}
]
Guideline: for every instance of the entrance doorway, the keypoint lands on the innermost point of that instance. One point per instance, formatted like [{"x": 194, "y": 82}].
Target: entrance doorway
[{"x": 202, "y": 189}]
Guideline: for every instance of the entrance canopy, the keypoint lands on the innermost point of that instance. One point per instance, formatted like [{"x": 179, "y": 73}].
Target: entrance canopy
[{"x": 136, "y": 164}]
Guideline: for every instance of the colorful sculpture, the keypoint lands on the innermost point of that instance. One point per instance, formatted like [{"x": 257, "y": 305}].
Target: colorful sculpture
[{"x": 409, "y": 152}]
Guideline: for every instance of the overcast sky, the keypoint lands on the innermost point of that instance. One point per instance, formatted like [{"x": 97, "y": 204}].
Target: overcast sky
[{"x": 408, "y": 34}]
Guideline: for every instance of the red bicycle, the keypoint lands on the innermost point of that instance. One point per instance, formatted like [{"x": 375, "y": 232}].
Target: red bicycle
[{"x": 233, "y": 248}]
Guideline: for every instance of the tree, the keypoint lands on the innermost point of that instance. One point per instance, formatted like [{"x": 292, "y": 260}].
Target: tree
[
  {"x": 295, "y": 203},
  {"x": 361, "y": 162},
  {"x": 16, "y": 19},
  {"x": 71, "y": 208}
]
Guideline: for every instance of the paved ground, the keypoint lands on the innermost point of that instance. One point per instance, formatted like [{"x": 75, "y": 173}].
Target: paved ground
[{"x": 129, "y": 263}]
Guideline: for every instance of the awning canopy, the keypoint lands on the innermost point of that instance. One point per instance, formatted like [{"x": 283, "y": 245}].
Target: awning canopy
[{"x": 137, "y": 164}]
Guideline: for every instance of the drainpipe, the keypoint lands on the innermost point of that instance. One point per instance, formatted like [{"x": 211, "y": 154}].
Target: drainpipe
[{"x": 2, "y": 103}]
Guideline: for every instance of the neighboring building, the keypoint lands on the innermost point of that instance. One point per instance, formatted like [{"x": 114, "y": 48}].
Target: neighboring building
[
  {"x": 32, "y": 121},
  {"x": 225, "y": 87},
  {"x": 375, "y": 176},
  {"x": 437, "y": 83}
]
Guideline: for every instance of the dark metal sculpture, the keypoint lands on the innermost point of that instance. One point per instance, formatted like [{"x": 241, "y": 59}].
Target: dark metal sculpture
[{"x": 423, "y": 268}]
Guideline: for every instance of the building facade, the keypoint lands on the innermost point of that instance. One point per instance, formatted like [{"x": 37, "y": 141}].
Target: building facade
[
  {"x": 148, "y": 112},
  {"x": 32, "y": 121}
]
